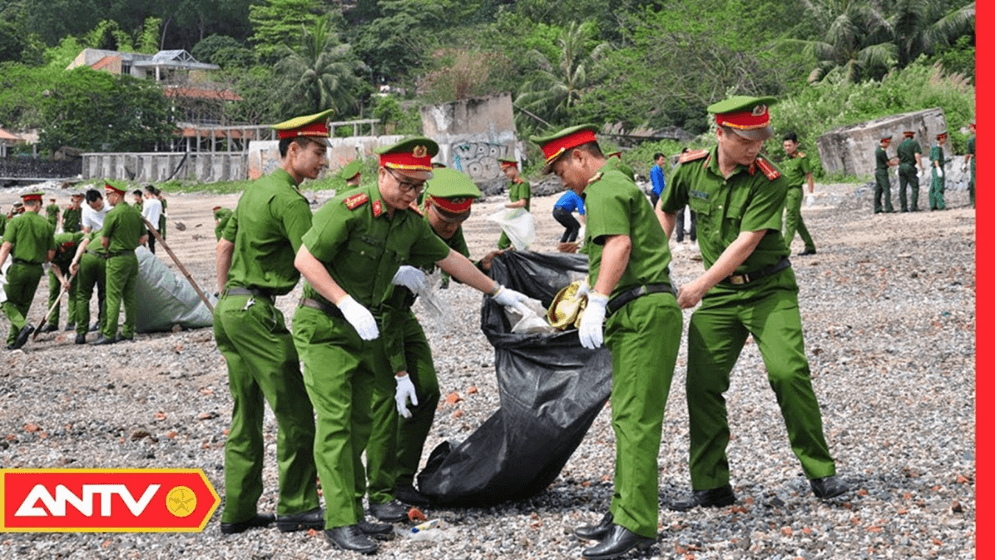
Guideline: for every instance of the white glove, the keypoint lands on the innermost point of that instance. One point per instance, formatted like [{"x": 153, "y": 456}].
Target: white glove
[
  {"x": 409, "y": 277},
  {"x": 583, "y": 290},
  {"x": 939, "y": 172},
  {"x": 405, "y": 391},
  {"x": 592, "y": 322},
  {"x": 359, "y": 317},
  {"x": 508, "y": 297}
]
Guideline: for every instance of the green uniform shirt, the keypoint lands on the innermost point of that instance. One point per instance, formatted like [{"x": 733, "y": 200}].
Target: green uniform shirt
[
  {"x": 65, "y": 250},
  {"x": 3, "y": 224},
  {"x": 94, "y": 247},
  {"x": 881, "y": 159},
  {"x": 362, "y": 247},
  {"x": 123, "y": 226},
  {"x": 71, "y": 219},
  {"x": 970, "y": 150},
  {"x": 936, "y": 154},
  {"x": 222, "y": 216},
  {"x": 52, "y": 211},
  {"x": 746, "y": 201},
  {"x": 518, "y": 191},
  {"x": 616, "y": 206},
  {"x": 267, "y": 226},
  {"x": 795, "y": 169},
  {"x": 31, "y": 236},
  {"x": 907, "y": 151}
]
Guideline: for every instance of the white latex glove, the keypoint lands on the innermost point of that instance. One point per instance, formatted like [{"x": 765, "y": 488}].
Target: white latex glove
[
  {"x": 593, "y": 320},
  {"x": 405, "y": 391},
  {"x": 939, "y": 172},
  {"x": 508, "y": 298},
  {"x": 409, "y": 277},
  {"x": 359, "y": 317}
]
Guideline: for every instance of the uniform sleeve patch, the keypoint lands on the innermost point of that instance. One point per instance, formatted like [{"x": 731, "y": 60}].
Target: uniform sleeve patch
[
  {"x": 769, "y": 170},
  {"x": 692, "y": 155},
  {"x": 355, "y": 201}
]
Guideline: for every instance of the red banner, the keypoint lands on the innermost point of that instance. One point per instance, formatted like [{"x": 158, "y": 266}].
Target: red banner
[{"x": 116, "y": 500}]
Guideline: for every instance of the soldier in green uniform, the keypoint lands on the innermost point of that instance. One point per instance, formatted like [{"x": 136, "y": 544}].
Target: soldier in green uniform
[
  {"x": 221, "y": 217},
  {"x": 255, "y": 265},
  {"x": 882, "y": 185},
  {"x": 519, "y": 193},
  {"x": 72, "y": 216},
  {"x": 123, "y": 232},
  {"x": 350, "y": 257},
  {"x": 969, "y": 158},
  {"x": 797, "y": 168},
  {"x": 30, "y": 241},
  {"x": 748, "y": 288},
  {"x": 90, "y": 267},
  {"x": 52, "y": 211},
  {"x": 909, "y": 157},
  {"x": 351, "y": 174},
  {"x": 395, "y": 446},
  {"x": 936, "y": 186},
  {"x": 59, "y": 278},
  {"x": 630, "y": 285}
]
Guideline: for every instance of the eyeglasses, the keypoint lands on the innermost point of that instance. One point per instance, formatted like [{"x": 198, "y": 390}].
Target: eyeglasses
[{"x": 407, "y": 186}]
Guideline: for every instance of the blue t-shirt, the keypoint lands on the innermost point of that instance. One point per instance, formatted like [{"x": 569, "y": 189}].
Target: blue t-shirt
[
  {"x": 656, "y": 175},
  {"x": 569, "y": 201}
]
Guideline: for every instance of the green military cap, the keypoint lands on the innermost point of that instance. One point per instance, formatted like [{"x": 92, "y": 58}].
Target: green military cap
[
  {"x": 112, "y": 186},
  {"x": 942, "y": 133},
  {"x": 313, "y": 126},
  {"x": 746, "y": 115},
  {"x": 32, "y": 196},
  {"x": 555, "y": 145},
  {"x": 507, "y": 161},
  {"x": 452, "y": 193},
  {"x": 351, "y": 169},
  {"x": 411, "y": 157}
]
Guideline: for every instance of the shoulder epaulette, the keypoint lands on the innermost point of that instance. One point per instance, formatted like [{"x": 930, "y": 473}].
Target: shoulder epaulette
[
  {"x": 801, "y": 154},
  {"x": 691, "y": 156},
  {"x": 355, "y": 201},
  {"x": 596, "y": 178},
  {"x": 518, "y": 180},
  {"x": 414, "y": 207},
  {"x": 769, "y": 170}
]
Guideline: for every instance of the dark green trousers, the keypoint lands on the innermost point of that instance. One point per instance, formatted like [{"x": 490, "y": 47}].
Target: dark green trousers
[
  {"x": 121, "y": 280},
  {"x": 644, "y": 337},
  {"x": 882, "y": 187},
  {"x": 263, "y": 366},
  {"x": 54, "y": 290},
  {"x": 339, "y": 370},
  {"x": 22, "y": 281},
  {"x": 907, "y": 176},
  {"x": 395, "y": 447},
  {"x": 91, "y": 274},
  {"x": 936, "y": 190},
  {"x": 793, "y": 218},
  {"x": 769, "y": 311}
]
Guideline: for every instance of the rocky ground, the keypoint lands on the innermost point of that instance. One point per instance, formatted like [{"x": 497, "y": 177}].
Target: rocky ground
[{"x": 888, "y": 305}]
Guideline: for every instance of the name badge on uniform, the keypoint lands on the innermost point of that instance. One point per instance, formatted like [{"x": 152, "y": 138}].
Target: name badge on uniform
[{"x": 699, "y": 194}]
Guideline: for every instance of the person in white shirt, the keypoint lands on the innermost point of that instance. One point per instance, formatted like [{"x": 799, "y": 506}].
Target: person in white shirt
[
  {"x": 94, "y": 211},
  {"x": 151, "y": 210}
]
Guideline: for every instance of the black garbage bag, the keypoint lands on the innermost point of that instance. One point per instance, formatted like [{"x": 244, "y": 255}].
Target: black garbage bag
[{"x": 551, "y": 390}]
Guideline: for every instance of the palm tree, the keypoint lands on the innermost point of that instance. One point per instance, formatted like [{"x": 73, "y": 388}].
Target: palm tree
[
  {"x": 320, "y": 70},
  {"x": 920, "y": 27}
]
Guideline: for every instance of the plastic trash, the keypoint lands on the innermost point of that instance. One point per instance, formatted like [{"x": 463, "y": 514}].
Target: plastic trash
[{"x": 518, "y": 224}]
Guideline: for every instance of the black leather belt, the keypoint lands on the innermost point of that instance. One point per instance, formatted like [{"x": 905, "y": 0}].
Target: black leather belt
[
  {"x": 625, "y": 297},
  {"x": 753, "y": 276},
  {"x": 325, "y": 308},
  {"x": 118, "y": 254},
  {"x": 250, "y": 292}
]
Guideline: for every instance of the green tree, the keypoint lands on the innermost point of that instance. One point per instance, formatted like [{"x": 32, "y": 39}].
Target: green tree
[
  {"x": 320, "y": 70},
  {"x": 275, "y": 22},
  {"x": 224, "y": 51},
  {"x": 11, "y": 43},
  {"x": 395, "y": 43}
]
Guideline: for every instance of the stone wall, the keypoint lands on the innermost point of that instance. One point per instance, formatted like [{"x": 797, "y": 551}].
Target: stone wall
[
  {"x": 30, "y": 168},
  {"x": 157, "y": 167},
  {"x": 264, "y": 155}
]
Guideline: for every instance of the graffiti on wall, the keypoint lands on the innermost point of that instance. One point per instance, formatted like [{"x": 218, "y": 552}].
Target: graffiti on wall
[{"x": 479, "y": 160}]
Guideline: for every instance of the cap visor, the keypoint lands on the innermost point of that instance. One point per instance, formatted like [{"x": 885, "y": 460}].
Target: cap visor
[
  {"x": 755, "y": 133},
  {"x": 415, "y": 174},
  {"x": 451, "y": 217}
]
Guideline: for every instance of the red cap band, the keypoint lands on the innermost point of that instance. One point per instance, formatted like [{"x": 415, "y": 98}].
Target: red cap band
[
  {"x": 30, "y": 197},
  {"x": 455, "y": 205},
  {"x": 419, "y": 160},
  {"x": 759, "y": 117},
  {"x": 557, "y": 146},
  {"x": 112, "y": 188},
  {"x": 319, "y": 128}
]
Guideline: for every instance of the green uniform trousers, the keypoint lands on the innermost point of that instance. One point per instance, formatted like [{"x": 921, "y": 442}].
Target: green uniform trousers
[
  {"x": 339, "y": 375},
  {"x": 882, "y": 187},
  {"x": 121, "y": 281},
  {"x": 793, "y": 219},
  {"x": 907, "y": 176},
  {"x": 54, "y": 289},
  {"x": 91, "y": 273},
  {"x": 936, "y": 189},
  {"x": 22, "y": 281},
  {"x": 504, "y": 242},
  {"x": 769, "y": 311},
  {"x": 395, "y": 447},
  {"x": 643, "y": 337},
  {"x": 262, "y": 364}
]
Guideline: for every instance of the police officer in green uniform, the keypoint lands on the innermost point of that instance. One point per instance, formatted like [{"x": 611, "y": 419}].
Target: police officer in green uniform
[
  {"x": 350, "y": 257},
  {"x": 797, "y": 168},
  {"x": 123, "y": 232},
  {"x": 969, "y": 158},
  {"x": 52, "y": 211},
  {"x": 221, "y": 217},
  {"x": 936, "y": 186},
  {"x": 72, "y": 216},
  {"x": 59, "y": 278},
  {"x": 909, "y": 157},
  {"x": 30, "y": 241},
  {"x": 882, "y": 185},
  {"x": 519, "y": 193},
  {"x": 351, "y": 175},
  {"x": 630, "y": 286},
  {"x": 395, "y": 446},
  {"x": 255, "y": 265},
  {"x": 90, "y": 267},
  {"x": 748, "y": 288}
]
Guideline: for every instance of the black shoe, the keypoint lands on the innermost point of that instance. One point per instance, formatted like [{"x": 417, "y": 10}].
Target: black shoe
[
  {"x": 828, "y": 487},
  {"x": 391, "y": 511},
  {"x": 807, "y": 251},
  {"x": 94, "y": 327},
  {"x": 378, "y": 530},
  {"x": 70, "y": 327},
  {"x": 101, "y": 340},
  {"x": 408, "y": 494},
  {"x": 49, "y": 327},
  {"x": 596, "y": 532},
  {"x": 121, "y": 338},
  {"x": 80, "y": 338},
  {"x": 715, "y": 497},
  {"x": 350, "y": 538},
  {"x": 311, "y": 519},
  {"x": 618, "y": 542},
  {"x": 260, "y": 520},
  {"x": 22, "y": 337}
]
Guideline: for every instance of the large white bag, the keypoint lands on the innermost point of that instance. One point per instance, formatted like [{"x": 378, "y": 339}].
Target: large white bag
[{"x": 518, "y": 224}]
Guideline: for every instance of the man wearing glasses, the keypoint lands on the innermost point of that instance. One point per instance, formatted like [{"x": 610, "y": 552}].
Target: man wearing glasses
[{"x": 350, "y": 258}]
